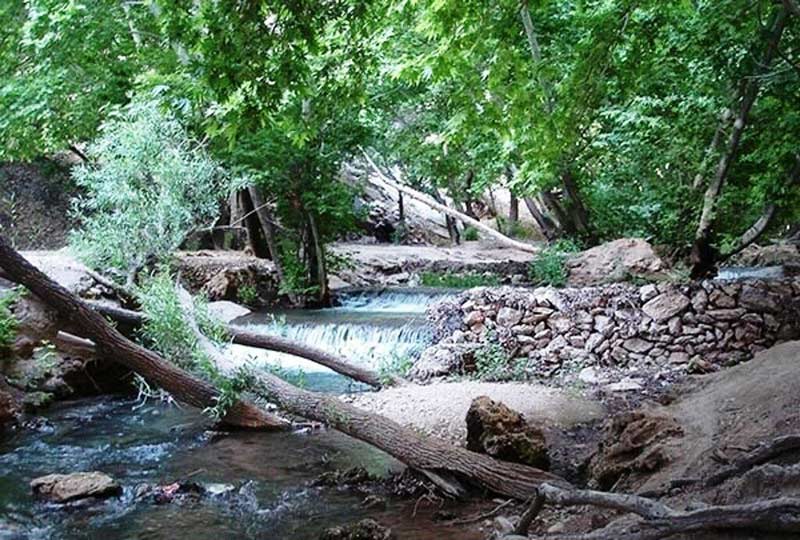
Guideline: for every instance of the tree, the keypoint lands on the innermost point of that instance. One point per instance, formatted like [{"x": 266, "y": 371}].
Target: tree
[{"x": 147, "y": 187}]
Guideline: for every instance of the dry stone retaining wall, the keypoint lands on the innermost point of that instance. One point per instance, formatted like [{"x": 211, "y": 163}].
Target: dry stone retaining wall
[{"x": 710, "y": 322}]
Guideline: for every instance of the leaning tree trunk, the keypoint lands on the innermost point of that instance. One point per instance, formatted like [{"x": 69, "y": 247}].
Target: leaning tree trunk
[
  {"x": 704, "y": 255},
  {"x": 112, "y": 344},
  {"x": 268, "y": 230},
  {"x": 239, "y": 336},
  {"x": 439, "y": 460}
]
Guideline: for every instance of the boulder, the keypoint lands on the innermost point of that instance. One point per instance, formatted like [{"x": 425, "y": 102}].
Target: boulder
[
  {"x": 227, "y": 311},
  {"x": 632, "y": 446},
  {"x": 366, "y": 529},
  {"x": 496, "y": 430},
  {"x": 443, "y": 359},
  {"x": 666, "y": 305},
  {"x": 62, "y": 488},
  {"x": 615, "y": 261},
  {"x": 772, "y": 255},
  {"x": 8, "y": 405}
]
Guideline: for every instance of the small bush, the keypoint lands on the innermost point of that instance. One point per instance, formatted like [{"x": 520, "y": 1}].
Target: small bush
[
  {"x": 458, "y": 281},
  {"x": 471, "y": 234},
  {"x": 247, "y": 295},
  {"x": 492, "y": 363},
  {"x": 550, "y": 266},
  {"x": 8, "y": 323},
  {"x": 396, "y": 365}
]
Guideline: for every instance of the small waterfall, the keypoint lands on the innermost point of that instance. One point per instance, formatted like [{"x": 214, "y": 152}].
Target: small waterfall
[
  {"x": 391, "y": 300},
  {"x": 368, "y": 328}
]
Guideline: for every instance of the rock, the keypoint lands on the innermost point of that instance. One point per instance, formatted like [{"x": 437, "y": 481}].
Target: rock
[
  {"x": 772, "y": 255},
  {"x": 62, "y": 488},
  {"x": 366, "y": 529},
  {"x": 757, "y": 299},
  {"x": 336, "y": 283},
  {"x": 496, "y": 430},
  {"x": 619, "y": 259},
  {"x": 625, "y": 385},
  {"x": 666, "y": 305},
  {"x": 473, "y": 318},
  {"x": 508, "y": 317},
  {"x": 8, "y": 405},
  {"x": 35, "y": 323},
  {"x": 443, "y": 359},
  {"x": 721, "y": 300},
  {"x": 637, "y": 345},
  {"x": 678, "y": 358},
  {"x": 503, "y": 526},
  {"x": 589, "y": 375},
  {"x": 227, "y": 311},
  {"x": 632, "y": 447},
  {"x": 648, "y": 292}
]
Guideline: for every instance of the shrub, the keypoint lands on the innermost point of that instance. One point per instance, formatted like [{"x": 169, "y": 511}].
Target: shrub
[
  {"x": 492, "y": 363},
  {"x": 147, "y": 187},
  {"x": 396, "y": 365},
  {"x": 550, "y": 265},
  {"x": 8, "y": 323},
  {"x": 458, "y": 281},
  {"x": 247, "y": 295},
  {"x": 471, "y": 234}
]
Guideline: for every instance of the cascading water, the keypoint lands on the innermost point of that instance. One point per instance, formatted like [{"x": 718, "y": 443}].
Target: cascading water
[{"x": 370, "y": 329}]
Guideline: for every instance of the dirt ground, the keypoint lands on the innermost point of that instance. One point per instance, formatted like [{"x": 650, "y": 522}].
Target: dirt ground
[{"x": 34, "y": 204}]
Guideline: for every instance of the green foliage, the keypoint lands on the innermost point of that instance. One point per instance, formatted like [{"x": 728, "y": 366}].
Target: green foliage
[
  {"x": 396, "y": 365},
  {"x": 550, "y": 265},
  {"x": 247, "y": 294},
  {"x": 492, "y": 363},
  {"x": 295, "y": 377},
  {"x": 8, "y": 323},
  {"x": 458, "y": 281},
  {"x": 471, "y": 234},
  {"x": 149, "y": 187}
]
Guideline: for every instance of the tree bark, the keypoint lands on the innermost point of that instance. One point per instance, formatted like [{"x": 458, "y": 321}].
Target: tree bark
[
  {"x": 134, "y": 319},
  {"x": 513, "y": 210},
  {"x": 703, "y": 256},
  {"x": 268, "y": 230},
  {"x": 319, "y": 270},
  {"x": 414, "y": 194},
  {"x": 111, "y": 344}
]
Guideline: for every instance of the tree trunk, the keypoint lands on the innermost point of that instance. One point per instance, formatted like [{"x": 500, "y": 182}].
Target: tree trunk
[
  {"x": 414, "y": 194},
  {"x": 704, "y": 255},
  {"x": 111, "y": 344},
  {"x": 319, "y": 271},
  {"x": 268, "y": 230},
  {"x": 545, "y": 224},
  {"x": 513, "y": 210},
  {"x": 239, "y": 336},
  {"x": 578, "y": 214}
]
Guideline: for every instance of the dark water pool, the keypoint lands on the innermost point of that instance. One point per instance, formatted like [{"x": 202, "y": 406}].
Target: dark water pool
[{"x": 159, "y": 444}]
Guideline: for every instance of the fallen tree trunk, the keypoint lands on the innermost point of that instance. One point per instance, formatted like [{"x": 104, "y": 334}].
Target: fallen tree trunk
[
  {"x": 414, "y": 194},
  {"x": 444, "y": 464},
  {"x": 438, "y": 459},
  {"x": 184, "y": 386},
  {"x": 266, "y": 342}
]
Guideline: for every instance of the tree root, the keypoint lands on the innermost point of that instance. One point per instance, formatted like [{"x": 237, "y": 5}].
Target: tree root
[{"x": 661, "y": 521}]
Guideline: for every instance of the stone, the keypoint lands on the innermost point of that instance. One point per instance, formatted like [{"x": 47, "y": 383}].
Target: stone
[
  {"x": 725, "y": 314},
  {"x": 678, "y": 358},
  {"x": 524, "y": 330},
  {"x": 700, "y": 301},
  {"x": 675, "y": 326},
  {"x": 602, "y": 323},
  {"x": 496, "y": 430},
  {"x": 474, "y": 317},
  {"x": 637, "y": 345},
  {"x": 366, "y": 529},
  {"x": 666, "y": 305},
  {"x": 62, "y": 488},
  {"x": 442, "y": 359},
  {"x": 227, "y": 311},
  {"x": 503, "y": 526},
  {"x": 594, "y": 341},
  {"x": 8, "y": 405},
  {"x": 721, "y": 300},
  {"x": 632, "y": 447},
  {"x": 625, "y": 385},
  {"x": 648, "y": 292},
  {"x": 757, "y": 299},
  {"x": 589, "y": 375},
  {"x": 508, "y": 317},
  {"x": 559, "y": 323},
  {"x": 615, "y": 261}
]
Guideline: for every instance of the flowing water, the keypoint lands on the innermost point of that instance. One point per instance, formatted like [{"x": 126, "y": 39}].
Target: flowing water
[{"x": 262, "y": 481}]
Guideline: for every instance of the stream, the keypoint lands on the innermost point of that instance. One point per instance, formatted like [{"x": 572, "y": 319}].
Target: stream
[{"x": 260, "y": 483}]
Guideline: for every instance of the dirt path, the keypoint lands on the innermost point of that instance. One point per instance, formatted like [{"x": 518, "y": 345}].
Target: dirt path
[{"x": 440, "y": 408}]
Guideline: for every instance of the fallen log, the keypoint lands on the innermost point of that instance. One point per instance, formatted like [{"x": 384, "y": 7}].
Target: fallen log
[
  {"x": 780, "y": 515},
  {"x": 184, "y": 386},
  {"x": 266, "y": 342},
  {"x": 425, "y": 199},
  {"x": 442, "y": 462}
]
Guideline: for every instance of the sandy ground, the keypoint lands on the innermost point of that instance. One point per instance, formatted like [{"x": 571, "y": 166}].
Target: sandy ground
[{"x": 440, "y": 408}]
